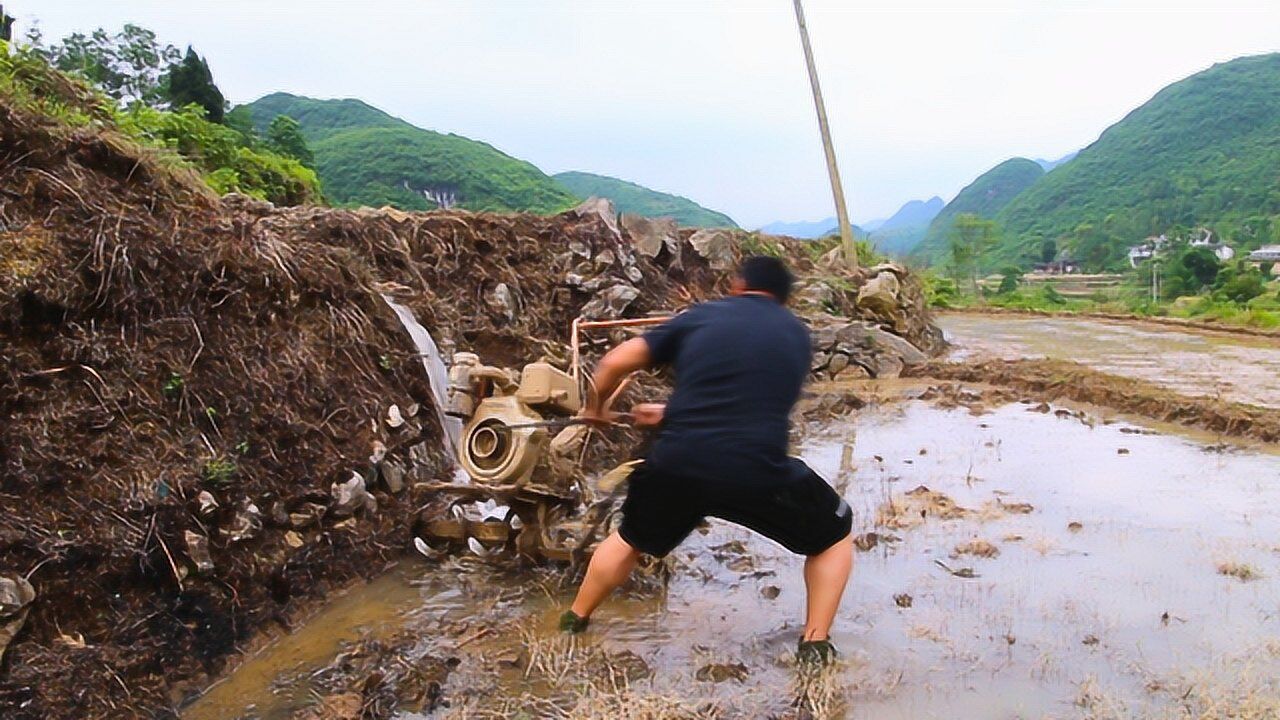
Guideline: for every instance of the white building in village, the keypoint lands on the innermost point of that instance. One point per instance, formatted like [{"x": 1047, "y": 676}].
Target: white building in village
[
  {"x": 1204, "y": 239},
  {"x": 1266, "y": 254}
]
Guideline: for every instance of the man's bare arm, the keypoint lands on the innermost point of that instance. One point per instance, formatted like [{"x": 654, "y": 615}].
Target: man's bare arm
[{"x": 614, "y": 367}]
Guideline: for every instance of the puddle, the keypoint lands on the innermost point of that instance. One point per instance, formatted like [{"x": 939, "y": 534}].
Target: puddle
[
  {"x": 1104, "y": 600},
  {"x": 1236, "y": 368}
]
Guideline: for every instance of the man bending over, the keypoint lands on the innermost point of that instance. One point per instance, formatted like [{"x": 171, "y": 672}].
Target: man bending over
[{"x": 721, "y": 450}]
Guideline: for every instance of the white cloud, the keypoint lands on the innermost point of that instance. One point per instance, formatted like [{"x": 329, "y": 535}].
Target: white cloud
[{"x": 709, "y": 98}]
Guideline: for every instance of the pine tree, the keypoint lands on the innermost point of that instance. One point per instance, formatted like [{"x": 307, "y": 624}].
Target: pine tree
[{"x": 191, "y": 82}]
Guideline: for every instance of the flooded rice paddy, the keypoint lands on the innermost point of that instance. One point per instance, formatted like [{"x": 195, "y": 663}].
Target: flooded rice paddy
[
  {"x": 1074, "y": 568},
  {"x": 1234, "y": 367}
]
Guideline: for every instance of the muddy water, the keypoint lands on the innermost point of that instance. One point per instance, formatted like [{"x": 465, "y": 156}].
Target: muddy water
[
  {"x": 1104, "y": 600},
  {"x": 1237, "y": 368}
]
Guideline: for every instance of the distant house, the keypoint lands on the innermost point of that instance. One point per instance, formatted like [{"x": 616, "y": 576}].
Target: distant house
[
  {"x": 1139, "y": 254},
  {"x": 1265, "y": 254},
  {"x": 1204, "y": 239}
]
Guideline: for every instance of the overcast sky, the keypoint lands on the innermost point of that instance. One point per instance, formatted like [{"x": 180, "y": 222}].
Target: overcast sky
[{"x": 709, "y": 98}]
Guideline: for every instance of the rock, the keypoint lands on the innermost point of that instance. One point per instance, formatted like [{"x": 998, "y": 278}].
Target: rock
[
  {"x": 198, "y": 551},
  {"x": 853, "y": 372},
  {"x": 611, "y": 303},
  {"x": 606, "y": 258},
  {"x": 16, "y": 596},
  {"x": 293, "y": 539},
  {"x": 770, "y": 592},
  {"x": 601, "y": 209},
  {"x": 716, "y": 246},
  {"x": 307, "y": 515},
  {"x": 885, "y": 366},
  {"x": 502, "y": 301},
  {"x": 838, "y": 362},
  {"x": 393, "y": 476},
  {"x": 633, "y": 274},
  {"x": 719, "y": 672},
  {"x": 580, "y": 248},
  {"x": 903, "y": 600},
  {"x": 856, "y": 338},
  {"x": 246, "y": 524},
  {"x": 880, "y": 294},
  {"x": 207, "y": 503},
  {"x": 394, "y": 418},
  {"x": 351, "y": 496},
  {"x": 823, "y": 337},
  {"x": 379, "y": 452},
  {"x": 820, "y": 361},
  {"x": 279, "y": 513},
  {"x": 650, "y": 235}
]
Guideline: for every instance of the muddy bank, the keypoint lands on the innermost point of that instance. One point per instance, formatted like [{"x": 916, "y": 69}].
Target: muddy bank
[
  {"x": 1050, "y": 380},
  {"x": 210, "y": 418},
  {"x": 1150, "y": 320}
]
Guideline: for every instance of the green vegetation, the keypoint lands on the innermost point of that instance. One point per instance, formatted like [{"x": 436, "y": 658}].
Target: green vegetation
[
  {"x": 983, "y": 198},
  {"x": 632, "y": 198},
  {"x": 1202, "y": 152},
  {"x": 1193, "y": 284},
  {"x": 190, "y": 82},
  {"x": 129, "y": 82},
  {"x": 367, "y": 157}
]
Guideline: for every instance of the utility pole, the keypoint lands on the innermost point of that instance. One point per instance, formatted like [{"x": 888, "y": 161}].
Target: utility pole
[{"x": 837, "y": 190}]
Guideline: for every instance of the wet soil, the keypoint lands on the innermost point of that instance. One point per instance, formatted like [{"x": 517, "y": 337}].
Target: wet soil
[
  {"x": 1076, "y": 572},
  {"x": 1232, "y": 367}
]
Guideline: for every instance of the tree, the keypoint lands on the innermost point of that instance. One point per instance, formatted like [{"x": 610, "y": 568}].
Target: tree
[
  {"x": 1048, "y": 250},
  {"x": 241, "y": 120},
  {"x": 190, "y": 82},
  {"x": 971, "y": 238},
  {"x": 284, "y": 136},
  {"x": 1202, "y": 265},
  {"x": 127, "y": 66}
]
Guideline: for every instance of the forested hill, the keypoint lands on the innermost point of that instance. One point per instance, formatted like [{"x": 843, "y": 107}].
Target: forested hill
[
  {"x": 365, "y": 156},
  {"x": 984, "y": 197},
  {"x": 632, "y": 198},
  {"x": 1203, "y": 151}
]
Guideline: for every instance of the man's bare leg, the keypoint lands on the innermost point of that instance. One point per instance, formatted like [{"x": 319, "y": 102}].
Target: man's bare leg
[
  {"x": 610, "y": 566},
  {"x": 825, "y": 576}
]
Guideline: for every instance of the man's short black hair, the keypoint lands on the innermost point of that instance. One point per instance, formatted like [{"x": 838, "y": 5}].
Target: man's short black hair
[{"x": 766, "y": 274}]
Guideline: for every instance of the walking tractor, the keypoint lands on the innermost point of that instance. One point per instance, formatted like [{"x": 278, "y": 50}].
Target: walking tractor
[{"x": 521, "y": 449}]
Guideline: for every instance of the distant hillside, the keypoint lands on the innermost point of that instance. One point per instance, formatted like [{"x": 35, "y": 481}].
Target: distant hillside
[
  {"x": 1203, "y": 151},
  {"x": 984, "y": 197},
  {"x": 632, "y": 198},
  {"x": 1048, "y": 165},
  {"x": 366, "y": 157},
  {"x": 898, "y": 235},
  {"x": 806, "y": 230}
]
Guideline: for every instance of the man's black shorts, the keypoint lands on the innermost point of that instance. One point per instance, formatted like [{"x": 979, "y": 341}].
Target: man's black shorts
[{"x": 797, "y": 510}]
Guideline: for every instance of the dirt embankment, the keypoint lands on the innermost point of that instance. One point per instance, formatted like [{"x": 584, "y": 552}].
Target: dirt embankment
[
  {"x": 1051, "y": 380},
  {"x": 188, "y": 384},
  {"x": 1152, "y": 320}
]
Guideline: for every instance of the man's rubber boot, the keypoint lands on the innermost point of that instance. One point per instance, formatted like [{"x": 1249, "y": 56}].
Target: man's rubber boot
[
  {"x": 816, "y": 652},
  {"x": 572, "y": 624}
]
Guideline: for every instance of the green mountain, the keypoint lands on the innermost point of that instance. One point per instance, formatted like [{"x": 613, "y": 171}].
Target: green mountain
[
  {"x": 366, "y": 157},
  {"x": 629, "y": 197},
  {"x": 984, "y": 197},
  {"x": 1203, "y": 151}
]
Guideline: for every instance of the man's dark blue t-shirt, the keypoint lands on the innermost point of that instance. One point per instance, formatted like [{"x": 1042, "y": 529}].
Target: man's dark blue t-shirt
[{"x": 739, "y": 363}]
